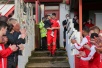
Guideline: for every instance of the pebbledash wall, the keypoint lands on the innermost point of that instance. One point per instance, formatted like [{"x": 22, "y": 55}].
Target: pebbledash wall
[
  {"x": 96, "y": 18},
  {"x": 63, "y": 10},
  {"x": 26, "y": 20}
]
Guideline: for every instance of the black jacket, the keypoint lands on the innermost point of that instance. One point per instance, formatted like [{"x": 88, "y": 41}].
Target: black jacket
[
  {"x": 64, "y": 23},
  {"x": 47, "y": 24},
  {"x": 13, "y": 39}
]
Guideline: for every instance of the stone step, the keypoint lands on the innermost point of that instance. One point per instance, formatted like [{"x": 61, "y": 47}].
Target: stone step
[
  {"x": 47, "y": 59},
  {"x": 49, "y": 65},
  {"x": 40, "y": 59},
  {"x": 45, "y": 53}
]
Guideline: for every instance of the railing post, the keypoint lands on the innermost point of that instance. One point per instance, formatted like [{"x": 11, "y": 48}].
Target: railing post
[
  {"x": 36, "y": 11},
  {"x": 80, "y": 16}
]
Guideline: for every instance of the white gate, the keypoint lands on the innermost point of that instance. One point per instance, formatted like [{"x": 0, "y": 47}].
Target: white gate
[{"x": 71, "y": 51}]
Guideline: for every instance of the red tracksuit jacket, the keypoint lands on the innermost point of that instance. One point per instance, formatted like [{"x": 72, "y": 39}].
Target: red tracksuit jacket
[
  {"x": 86, "y": 40},
  {"x": 89, "y": 25},
  {"x": 93, "y": 58},
  {"x": 86, "y": 50},
  {"x": 4, "y": 53},
  {"x": 95, "y": 61}
]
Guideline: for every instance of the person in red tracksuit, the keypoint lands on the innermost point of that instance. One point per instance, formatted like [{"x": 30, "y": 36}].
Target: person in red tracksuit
[
  {"x": 4, "y": 53},
  {"x": 96, "y": 29},
  {"x": 52, "y": 39},
  {"x": 94, "y": 56},
  {"x": 80, "y": 47},
  {"x": 89, "y": 24}
]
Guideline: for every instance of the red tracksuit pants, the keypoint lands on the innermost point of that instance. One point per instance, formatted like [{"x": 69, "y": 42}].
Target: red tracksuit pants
[
  {"x": 83, "y": 64},
  {"x": 51, "y": 40},
  {"x": 80, "y": 63}
]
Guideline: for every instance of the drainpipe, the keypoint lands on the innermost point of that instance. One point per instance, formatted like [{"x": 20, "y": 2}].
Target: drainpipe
[
  {"x": 80, "y": 16},
  {"x": 36, "y": 11}
]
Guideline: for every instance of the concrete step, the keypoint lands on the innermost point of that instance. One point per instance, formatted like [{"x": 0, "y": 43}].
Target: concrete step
[
  {"x": 40, "y": 59},
  {"x": 49, "y": 65},
  {"x": 47, "y": 59},
  {"x": 45, "y": 53}
]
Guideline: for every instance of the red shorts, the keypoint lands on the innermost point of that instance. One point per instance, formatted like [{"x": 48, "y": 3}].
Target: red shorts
[{"x": 51, "y": 39}]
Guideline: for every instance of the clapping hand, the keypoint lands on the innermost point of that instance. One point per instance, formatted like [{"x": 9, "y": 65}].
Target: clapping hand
[
  {"x": 23, "y": 36},
  {"x": 21, "y": 46},
  {"x": 13, "y": 47},
  {"x": 73, "y": 41},
  {"x": 23, "y": 31},
  {"x": 78, "y": 56}
]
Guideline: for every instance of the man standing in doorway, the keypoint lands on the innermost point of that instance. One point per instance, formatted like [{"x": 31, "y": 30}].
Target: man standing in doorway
[
  {"x": 43, "y": 32},
  {"x": 64, "y": 23},
  {"x": 52, "y": 39}
]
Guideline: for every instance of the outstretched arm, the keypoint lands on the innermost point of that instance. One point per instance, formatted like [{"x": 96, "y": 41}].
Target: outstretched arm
[
  {"x": 5, "y": 53},
  {"x": 55, "y": 27},
  {"x": 90, "y": 56},
  {"x": 83, "y": 42}
]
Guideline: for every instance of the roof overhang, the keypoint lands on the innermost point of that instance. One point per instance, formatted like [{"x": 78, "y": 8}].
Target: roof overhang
[
  {"x": 86, "y": 4},
  {"x": 45, "y": 1},
  {"x": 7, "y": 9}
]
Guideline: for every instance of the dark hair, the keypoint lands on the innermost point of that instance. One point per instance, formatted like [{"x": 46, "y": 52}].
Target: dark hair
[
  {"x": 90, "y": 19},
  {"x": 9, "y": 16},
  {"x": 3, "y": 19},
  {"x": 43, "y": 18},
  {"x": 54, "y": 14},
  {"x": 47, "y": 15},
  {"x": 3, "y": 25},
  {"x": 75, "y": 15},
  {"x": 94, "y": 35},
  {"x": 86, "y": 29},
  {"x": 67, "y": 15},
  {"x": 10, "y": 27}
]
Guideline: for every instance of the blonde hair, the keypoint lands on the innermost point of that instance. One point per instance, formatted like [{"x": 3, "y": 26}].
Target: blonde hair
[{"x": 95, "y": 28}]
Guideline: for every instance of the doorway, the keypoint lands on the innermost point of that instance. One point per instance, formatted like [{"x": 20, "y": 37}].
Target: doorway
[{"x": 49, "y": 12}]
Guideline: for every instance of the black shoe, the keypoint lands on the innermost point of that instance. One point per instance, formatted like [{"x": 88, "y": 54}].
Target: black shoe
[
  {"x": 53, "y": 55},
  {"x": 49, "y": 54}
]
